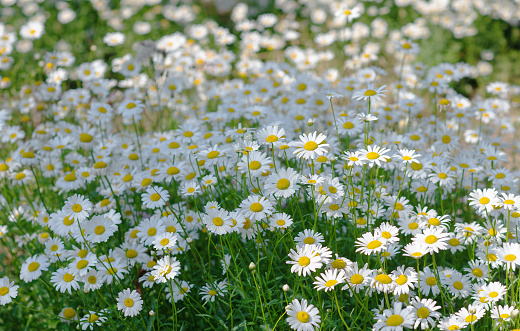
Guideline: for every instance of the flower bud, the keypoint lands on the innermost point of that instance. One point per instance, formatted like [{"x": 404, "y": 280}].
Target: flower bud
[
  {"x": 286, "y": 288},
  {"x": 151, "y": 313},
  {"x": 310, "y": 122},
  {"x": 252, "y": 266}
]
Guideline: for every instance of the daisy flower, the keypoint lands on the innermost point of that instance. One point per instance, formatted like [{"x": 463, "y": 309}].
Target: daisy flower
[
  {"x": 166, "y": 268},
  {"x": 190, "y": 188},
  {"x": 407, "y": 156},
  {"x": 282, "y": 184},
  {"x": 483, "y": 200},
  {"x": 99, "y": 229},
  {"x": 370, "y": 243},
  {"x": 375, "y": 155},
  {"x": 304, "y": 260},
  {"x": 509, "y": 253},
  {"x": 503, "y": 313},
  {"x": 311, "y": 145},
  {"x": 33, "y": 267},
  {"x": 256, "y": 207},
  {"x": 68, "y": 314},
  {"x": 179, "y": 290},
  {"x": 218, "y": 221},
  {"x": 270, "y": 135},
  {"x": 77, "y": 207},
  {"x": 372, "y": 94},
  {"x": 64, "y": 280},
  {"x": 254, "y": 163},
  {"x": 155, "y": 197},
  {"x": 458, "y": 284},
  {"x": 405, "y": 279},
  {"x": 81, "y": 265},
  {"x": 434, "y": 239},
  {"x": 164, "y": 240},
  {"x": 394, "y": 319},
  {"x": 129, "y": 302},
  {"x": 426, "y": 312},
  {"x": 209, "y": 292},
  {"x": 280, "y": 220},
  {"x": 357, "y": 279},
  {"x": 328, "y": 279},
  {"x": 92, "y": 280},
  {"x": 309, "y": 237},
  {"x": 471, "y": 314},
  {"x": 383, "y": 283},
  {"x": 451, "y": 323},
  {"x": 302, "y": 316},
  {"x": 493, "y": 292},
  {"x": 353, "y": 158},
  {"x": 8, "y": 291},
  {"x": 91, "y": 319},
  {"x": 428, "y": 282}
]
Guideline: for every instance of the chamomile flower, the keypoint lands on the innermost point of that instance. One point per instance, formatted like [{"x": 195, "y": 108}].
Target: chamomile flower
[
  {"x": 357, "y": 279},
  {"x": 308, "y": 237},
  {"x": 426, "y": 313},
  {"x": 91, "y": 319},
  {"x": 282, "y": 184},
  {"x": 503, "y": 313},
  {"x": 8, "y": 291},
  {"x": 509, "y": 254},
  {"x": 190, "y": 188},
  {"x": 218, "y": 221},
  {"x": 311, "y": 145},
  {"x": 371, "y": 93},
  {"x": 483, "y": 200},
  {"x": 375, "y": 155},
  {"x": 329, "y": 279},
  {"x": 33, "y": 267},
  {"x": 99, "y": 229},
  {"x": 155, "y": 197},
  {"x": 434, "y": 239},
  {"x": 179, "y": 290},
  {"x": 166, "y": 268},
  {"x": 394, "y": 319},
  {"x": 64, "y": 280},
  {"x": 256, "y": 207},
  {"x": 304, "y": 260},
  {"x": 77, "y": 207},
  {"x": 209, "y": 292},
  {"x": 405, "y": 280},
  {"x": 370, "y": 243},
  {"x": 302, "y": 316},
  {"x": 164, "y": 241},
  {"x": 129, "y": 302}
]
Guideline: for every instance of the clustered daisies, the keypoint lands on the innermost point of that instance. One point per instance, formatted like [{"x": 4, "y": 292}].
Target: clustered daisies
[{"x": 246, "y": 177}]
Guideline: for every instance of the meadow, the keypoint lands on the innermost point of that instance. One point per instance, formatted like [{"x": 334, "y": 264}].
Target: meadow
[{"x": 264, "y": 165}]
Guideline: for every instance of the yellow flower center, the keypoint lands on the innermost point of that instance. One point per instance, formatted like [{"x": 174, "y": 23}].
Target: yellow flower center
[
  {"x": 431, "y": 281},
  {"x": 331, "y": 283},
  {"x": 155, "y": 197},
  {"x": 383, "y": 279},
  {"x": 254, "y": 165},
  {"x": 394, "y": 320},
  {"x": 370, "y": 93},
  {"x": 423, "y": 312},
  {"x": 131, "y": 253},
  {"x": 129, "y": 302},
  {"x": 304, "y": 261},
  {"x": 283, "y": 184},
  {"x": 309, "y": 240},
  {"x": 68, "y": 277},
  {"x": 431, "y": 239},
  {"x": 218, "y": 221},
  {"x": 310, "y": 146},
  {"x": 458, "y": 285},
  {"x": 303, "y": 317},
  {"x": 256, "y": 207},
  {"x": 374, "y": 244},
  {"x": 401, "y": 280}
]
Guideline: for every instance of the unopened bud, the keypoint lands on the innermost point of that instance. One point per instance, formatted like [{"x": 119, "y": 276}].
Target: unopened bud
[
  {"x": 286, "y": 288},
  {"x": 151, "y": 313},
  {"x": 514, "y": 314},
  {"x": 472, "y": 311},
  {"x": 487, "y": 236},
  {"x": 333, "y": 159},
  {"x": 310, "y": 122},
  {"x": 252, "y": 266},
  {"x": 189, "y": 240}
]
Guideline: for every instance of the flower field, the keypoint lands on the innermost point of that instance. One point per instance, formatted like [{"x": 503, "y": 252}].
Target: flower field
[{"x": 265, "y": 165}]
